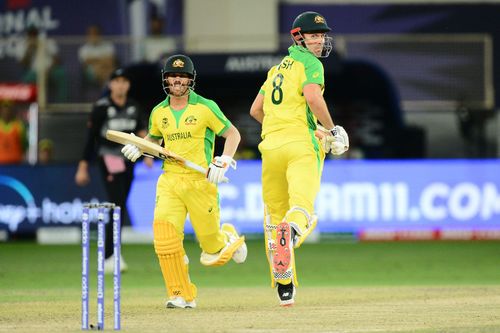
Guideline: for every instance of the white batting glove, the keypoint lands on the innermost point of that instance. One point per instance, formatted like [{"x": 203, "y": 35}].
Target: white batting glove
[
  {"x": 218, "y": 168},
  {"x": 131, "y": 151},
  {"x": 340, "y": 142},
  {"x": 325, "y": 138}
]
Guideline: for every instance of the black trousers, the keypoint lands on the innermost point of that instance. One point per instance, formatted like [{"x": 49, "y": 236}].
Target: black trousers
[{"x": 117, "y": 187}]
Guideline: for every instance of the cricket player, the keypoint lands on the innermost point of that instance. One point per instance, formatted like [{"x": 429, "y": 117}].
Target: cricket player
[
  {"x": 187, "y": 124},
  {"x": 289, "y": 105},
  {"x": 115, "y": 111}
]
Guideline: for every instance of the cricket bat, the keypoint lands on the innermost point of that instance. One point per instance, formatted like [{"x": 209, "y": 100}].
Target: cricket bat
[{"x": 151, "y": 149}]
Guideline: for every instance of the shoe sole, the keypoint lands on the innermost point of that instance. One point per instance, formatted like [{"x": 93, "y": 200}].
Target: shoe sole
[
  {"x": 282, "y": 254},
  {"x": 173, "y": 306}
]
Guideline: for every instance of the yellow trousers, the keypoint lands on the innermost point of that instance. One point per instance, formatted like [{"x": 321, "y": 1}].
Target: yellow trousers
[
  {"x": 177, "y": 195},
  {"x": 291, "y": 176}
]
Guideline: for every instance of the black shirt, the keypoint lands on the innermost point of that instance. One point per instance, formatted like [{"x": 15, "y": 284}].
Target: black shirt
[{"x": 107, "y": 115}]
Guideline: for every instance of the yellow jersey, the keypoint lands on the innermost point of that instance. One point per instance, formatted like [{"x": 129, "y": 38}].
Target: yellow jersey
[
  {"x": 189, "y": 132},
  {"x": 286, "y": 112}
]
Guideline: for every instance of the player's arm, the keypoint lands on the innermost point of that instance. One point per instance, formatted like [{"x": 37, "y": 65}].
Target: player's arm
[
  {"x": 317, "y": 104},
  {"x": 148, "y": 161},
  {"x": 335, "y": 138},
  {"x": 158, "y": 141},
  {"x": 220, "y": 164},
  {"x": 94, "y": 124},
  {"x": 257, "y": 108},
  {"x": 233, "y": 138},
  {"x": 132, "y": 152}
]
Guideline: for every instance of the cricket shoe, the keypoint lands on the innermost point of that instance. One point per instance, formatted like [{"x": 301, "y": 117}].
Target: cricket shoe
[
  {"x": 286, "y": 294},
  {"x": 240, "y": 255},
  {"x": 235, "y": 248},
  {"x": 299, "y": 235},
  {"x": 180, "y": 303},
  {"x": 283, "y": 254},
  {"x": 109, "y": 265}
]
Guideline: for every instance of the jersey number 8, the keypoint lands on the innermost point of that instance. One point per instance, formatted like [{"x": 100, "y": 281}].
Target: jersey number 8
[{"x": 277, "y": 82}]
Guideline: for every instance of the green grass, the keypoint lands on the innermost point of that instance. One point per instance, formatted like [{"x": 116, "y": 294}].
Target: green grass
[
  {"x": 419, "y": 287},
  {"x": 27, "y": 265}
]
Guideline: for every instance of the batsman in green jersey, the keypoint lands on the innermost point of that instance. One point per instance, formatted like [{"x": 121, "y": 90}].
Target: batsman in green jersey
[{"x": 289, "y": 105}]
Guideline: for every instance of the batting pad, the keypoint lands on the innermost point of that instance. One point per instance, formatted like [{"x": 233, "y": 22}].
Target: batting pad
[{"x": 173, "y": 263}]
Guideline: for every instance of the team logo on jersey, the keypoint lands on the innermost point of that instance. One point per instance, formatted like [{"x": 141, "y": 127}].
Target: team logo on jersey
[
  {"x": 315, "y": 75},
  {"x": 111, "y": 112},
  {"x": 191, "y": 120},
  {"x": 164, "y": 123},
  {"x": 178, "y": 63},
  {"x": 319, "y": 19},
  {"x": 131, "y": 110}
]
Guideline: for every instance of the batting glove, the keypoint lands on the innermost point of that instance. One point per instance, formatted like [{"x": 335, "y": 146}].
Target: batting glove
[
  {"x": 131, "y": 151},
  {"x": 325, "y": 138},
  {"x": 218, "y": 168},
  {"x": 340, "y": 143}
]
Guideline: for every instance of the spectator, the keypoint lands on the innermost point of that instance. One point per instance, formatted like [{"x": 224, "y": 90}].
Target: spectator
[
  {"x": 157, "y": 45},
  {"x": 38, "y": 54},
  {"x": 45, "y": 151},
  {"x": 13, "y": 137},
  {"x": 97, "y": 58}
]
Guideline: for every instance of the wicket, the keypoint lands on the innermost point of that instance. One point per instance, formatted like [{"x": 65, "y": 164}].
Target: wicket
[{"x": 102, "y": 208}]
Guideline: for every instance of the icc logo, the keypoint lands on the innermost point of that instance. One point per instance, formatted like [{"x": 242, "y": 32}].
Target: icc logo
[{"x": 164, "y": 123}]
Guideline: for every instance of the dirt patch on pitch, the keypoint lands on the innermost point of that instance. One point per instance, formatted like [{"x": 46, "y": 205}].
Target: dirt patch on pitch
[{"x": 381, "y": 309}]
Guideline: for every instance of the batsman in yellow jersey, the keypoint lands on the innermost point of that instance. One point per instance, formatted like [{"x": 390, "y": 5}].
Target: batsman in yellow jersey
[
  {"x": 188, "y": 123},
  {"x": 289, "y": 105}
]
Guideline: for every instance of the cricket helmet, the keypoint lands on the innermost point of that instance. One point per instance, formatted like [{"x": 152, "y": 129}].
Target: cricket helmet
[
  {"x": 311, "y": 22},
  {"x": 178, "y": 64}
]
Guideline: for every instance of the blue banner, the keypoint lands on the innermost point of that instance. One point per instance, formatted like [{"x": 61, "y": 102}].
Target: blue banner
[
  {"x": 355, "y": 196},
  {"x": 361, "y": 195},
  {"x": 32, "y": 197},
  {"x": 58, "y": 18}
]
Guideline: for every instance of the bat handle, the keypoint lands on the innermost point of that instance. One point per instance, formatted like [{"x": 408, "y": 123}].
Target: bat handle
[{"x": 202, "y": 170}]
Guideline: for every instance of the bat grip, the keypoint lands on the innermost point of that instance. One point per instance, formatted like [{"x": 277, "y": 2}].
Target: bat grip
[{"x": 202, "y": 170}]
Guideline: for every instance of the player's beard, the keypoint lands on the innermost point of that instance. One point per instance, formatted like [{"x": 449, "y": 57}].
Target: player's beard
[
  {"x": 316, "y": 49},
  {"x": 178, "y": 89}
]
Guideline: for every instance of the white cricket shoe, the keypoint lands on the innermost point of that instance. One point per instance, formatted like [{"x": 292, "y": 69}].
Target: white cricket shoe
[
  {"x": 240, "y": 255},
  {"x": 299, "y": 235},
  {"x": 109, "y": 265},
  {"x": 180, "y": 302},
  {"x": 235, "y": 249}
]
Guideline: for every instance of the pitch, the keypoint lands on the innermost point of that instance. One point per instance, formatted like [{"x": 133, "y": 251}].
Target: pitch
[{"x": 345, "y": 287}]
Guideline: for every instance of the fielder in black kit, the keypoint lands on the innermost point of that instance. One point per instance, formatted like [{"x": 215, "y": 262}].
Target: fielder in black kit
[{"x": 115, "y": 112}]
